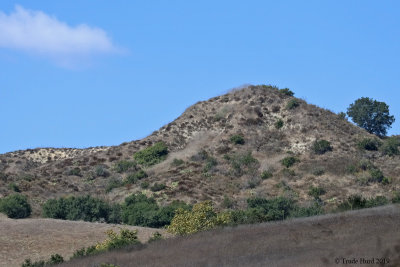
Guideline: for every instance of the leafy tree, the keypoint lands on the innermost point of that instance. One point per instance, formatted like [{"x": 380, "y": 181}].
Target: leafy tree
[
  {"x": 15, "y": 206},
  {"x": 371, "y": 115}
]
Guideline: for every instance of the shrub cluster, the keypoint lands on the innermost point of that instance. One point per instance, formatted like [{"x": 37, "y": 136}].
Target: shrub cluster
[
  {"x": 134, "y": 177},
  {"x": 151, "y": 155},
  {"x": 279, "y": 124},
  {"x": 15, "y": 206},
  {"x": 201, "y": 217},
  {"x": 390, "y": 146},
  {"x": 286, "y": 91},
  {"x": 237, "y": 139},
  {"x": 242, "y": 163},
  {"x": 316, "y": 192},
  {"x": 266, "y": 174},
  {"x": 124, "y": 166},
  {"x": 371, "y": 144},
  {"x": 54, "y": 260},
  {"x": 289, "y": 161},
  {"x": 84, "y": 208},
  {"x": 292, "y": 103},
  {"x": 358, "y": 202},
  {"x": 321, "y": 146}
]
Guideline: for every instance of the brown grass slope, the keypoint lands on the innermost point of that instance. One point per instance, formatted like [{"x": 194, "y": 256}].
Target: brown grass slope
[
  {"x": 43, "y": 173},
  {"x": 313, "y": 241},
  {"x": 38, "y": 239}
]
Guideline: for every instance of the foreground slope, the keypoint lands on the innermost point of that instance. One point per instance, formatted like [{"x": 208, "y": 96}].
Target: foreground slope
[
  {"x": 38, "y": 239},
  {"x": 314, "y": 241},
  {"x": 205, "y": 129}
]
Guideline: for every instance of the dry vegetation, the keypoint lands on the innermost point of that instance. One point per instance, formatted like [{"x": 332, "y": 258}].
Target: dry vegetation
[
  {"x": 39, "y": 238},
  {"x": 204, "y": 163},
  {"x": 314, "y": 241}
]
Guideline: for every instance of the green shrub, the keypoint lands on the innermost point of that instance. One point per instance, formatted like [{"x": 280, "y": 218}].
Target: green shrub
[
  {"x": 279, "y": 124},
  {"x": 84, "y": 208},
  {"x": 228, "y": 203},
  {"x": 210, "y": 163},
  {"x": 242, "y": 163},
  {"x": 201, "y": 217},
  {"x": 312, "y": 210},
  {"x": 237, "y": 139},
  {"x": 101, "y": 171},
  {"x": 124, "y": 166},
  {"x": 390, "y": 146},
  {"x": 286, "y": 91},
  {"x": 15, "y": 206},
  {"x": 272, "y": 209},
  {"x": 353, "y": 202},
  {"x": 316, "y": 192},
  {"x": 396, "y": 197},
  {"x": 140, "y": 210},
  {"x": 158, "y": 187},
  {"x": 177, "y": 162},
  {"x": 134, "y": 177},
  {"x": 369, "y": 144},
  {"x": 14, "y": 187},
  {"x": 289, "y": 161},
  {"x": 377, "y": 201},
  {"x": 74, "y": 172},
  {"x": 155, "y": 237},
  {"x": 145, "y": 185},
  {"x": 292, "y": 103},
  {"x": 152, "y": 155},
  {"x": 113, "y": 183},
  {"x": 29, "y": 263},
  {"x": 376, "y": 175},
  {"x": 266, "y": 174},
  {"x": 342, "y": 115},
  {"x": 321, "y": 146}
]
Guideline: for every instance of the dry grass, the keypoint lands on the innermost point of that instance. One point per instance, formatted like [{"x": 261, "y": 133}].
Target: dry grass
[
  {"x": 313, "y": 241},
  {"x": 38, "y": 239}
]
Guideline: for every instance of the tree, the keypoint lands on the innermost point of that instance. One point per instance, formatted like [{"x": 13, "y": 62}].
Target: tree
[{"x": 371, "y": 115}]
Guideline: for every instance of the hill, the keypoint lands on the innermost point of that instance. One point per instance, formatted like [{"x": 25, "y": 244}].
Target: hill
[
  {"x": 368, "y": 234},
  {"x": 38, "y": 239},
  {"x": 204, "y": 162}
]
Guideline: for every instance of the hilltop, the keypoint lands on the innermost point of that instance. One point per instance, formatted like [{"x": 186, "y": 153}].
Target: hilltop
[{"x": 206, "y": 162}]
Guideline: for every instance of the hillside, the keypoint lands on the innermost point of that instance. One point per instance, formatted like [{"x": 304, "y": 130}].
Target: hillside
[
  {"x": 315, "y": 241},
  {"x": 213, "y": 167},
  {"x": 38, "y": 239}
]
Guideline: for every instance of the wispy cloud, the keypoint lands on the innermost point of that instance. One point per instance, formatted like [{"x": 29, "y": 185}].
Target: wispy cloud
[{"x": 38, "y": 33}]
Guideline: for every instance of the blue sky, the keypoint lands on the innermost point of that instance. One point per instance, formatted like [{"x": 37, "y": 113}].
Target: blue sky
[{"x": 89, "y": 73}]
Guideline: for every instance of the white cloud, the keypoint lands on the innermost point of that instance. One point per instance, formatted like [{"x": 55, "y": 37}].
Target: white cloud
[{"x": 38, "y": 33}]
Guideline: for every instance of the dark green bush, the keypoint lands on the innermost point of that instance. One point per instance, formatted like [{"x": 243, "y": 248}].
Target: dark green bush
[
  {"x": 124, "y": 166},
  {"x": 15, "y": 206},
  {"x": 75, "y": 171},
  {"x": 14, "y": 187},
  {"x": 292, "y": 103},
  {"x": 242, "y": 163},
  {"x": 377, "y": 201},
  {"x": 279, "y": 124},
  {"x": 369, "y": 144},
  {"x": 312, "y": 210},
  {"x": 286, "y": 91},
  {"x": 321, "y": 146},
  {"x": 266, "y": 174},
  {"x": 84, "y": 208},
  {"x": 396, "y": 197},
  {"x": 155, "y": 237},
  {"x": 289, "y": 161},
  {"x": 29, "y": 263},
  {"x": 316, "y": 192},
  {"x": 353, "y": 202},
  {"x": 145, "y": 185},
  {"x": 157, "y": 187},
  {"x": 134, "y": 177},
  {"x": 376, "y": 175},
  {"x": 113, "y": 183},
  {"x": 342, "y": 115},
  {"x": 390, "y": 146},
  {"x": 151, "y": 155},
  {"x": 141, "y": 210},
  {"x": 237, "y": 139}
]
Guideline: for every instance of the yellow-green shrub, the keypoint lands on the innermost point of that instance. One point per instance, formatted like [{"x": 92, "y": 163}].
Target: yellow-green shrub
[{"x": 201, "y": 217}]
